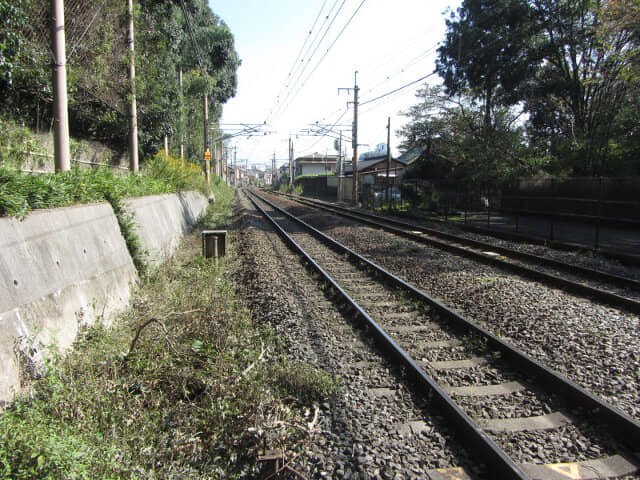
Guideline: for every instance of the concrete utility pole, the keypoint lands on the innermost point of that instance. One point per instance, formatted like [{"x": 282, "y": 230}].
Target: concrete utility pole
[
  {"x": 273, "y": 170},
  {"x": 61, "y": 112},
  {"x": 166, "y": 145},
  {"x": 290, "y": 162},
  {"x": 355, "y": 139},
  {"x": 388, "y": 156},
  {"x": 340, "y": 171},
  {"x": 206, "y": 123},
  {"x": 181, "y": 115},
  {"x": 216, "y": 164},
  {"x": 225, "y": 164},
  {"x": 235, "y": 166},
  {"x": 133, "y": 116},
  {"x": 354, "y": 136}
]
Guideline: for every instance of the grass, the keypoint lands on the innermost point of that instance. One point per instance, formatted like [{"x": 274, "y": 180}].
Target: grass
[
  {"x": 178, "y": 387},
  {"x": 20, "y": 193}
]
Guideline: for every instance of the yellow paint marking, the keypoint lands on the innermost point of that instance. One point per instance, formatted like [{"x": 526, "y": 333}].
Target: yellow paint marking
[
  {"x": 569, "y": 470},
  {"x": 454, "y": 473}
]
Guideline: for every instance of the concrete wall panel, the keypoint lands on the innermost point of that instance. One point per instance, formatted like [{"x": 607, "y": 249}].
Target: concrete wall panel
[
  {"x": 60, "y": 269},
  {"x": 162, "y": 220},
  {"x": 64, "y": 268}
]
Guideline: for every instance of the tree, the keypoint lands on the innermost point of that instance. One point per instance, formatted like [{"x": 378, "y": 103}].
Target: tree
[
  {"x": 449, "y": 132},
  {"x": 548, "y": 57},
  {"x": 486, "y": 52},
  {"x": 13, "y": 20},
  {"x": 97, "y": 68},
  {"x": 579, "y": 87}
]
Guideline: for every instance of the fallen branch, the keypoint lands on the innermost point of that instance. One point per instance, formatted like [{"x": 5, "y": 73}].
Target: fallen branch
[
  {"x": 164, "y": 328},
  {"x": 250, "y": 367},
  {"x": 142, "y": 327},
  {"x": 312, "y": 425}
]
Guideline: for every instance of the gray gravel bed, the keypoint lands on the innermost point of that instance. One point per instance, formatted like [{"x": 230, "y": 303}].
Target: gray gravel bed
[
  {"x": 440, "y": 354},
  {"x": 365, "y": 432},
  {"x": 512, "y": 405},
  {"x": 596, "y": 346},
  {"x": 470, "y": 376},
  {"x": 566, "y": 444},
  {"x": 428, "y": 336},
  {"x": 562, "y": 330},
  {"x": 583, "y": 258}
]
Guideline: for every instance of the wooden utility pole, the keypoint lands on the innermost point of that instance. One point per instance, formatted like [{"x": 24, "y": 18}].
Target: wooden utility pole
[
  {"x": 61, "y": 112},
  {"x": 388, "y": 156},
  {"x": 133, "y": 116}
]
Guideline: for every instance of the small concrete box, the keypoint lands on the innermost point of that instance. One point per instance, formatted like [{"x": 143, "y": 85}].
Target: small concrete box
[{"x": 214, "y": 243}]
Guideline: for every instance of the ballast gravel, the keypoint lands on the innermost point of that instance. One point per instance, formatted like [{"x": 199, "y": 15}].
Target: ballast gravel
[
  {"x": 546, "y": 323},
  {"x": 596, "y": 346},
  {"x": 375, "y": 428}
]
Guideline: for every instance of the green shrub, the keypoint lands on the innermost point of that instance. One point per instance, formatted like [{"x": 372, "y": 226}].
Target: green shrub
[{"x": 15, "y": 143}]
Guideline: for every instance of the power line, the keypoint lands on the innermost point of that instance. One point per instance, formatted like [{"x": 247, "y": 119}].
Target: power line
[
  {"x": 398, "y": 89},
  {"x": 193, "y": 38},
  {"x": 295, "y": 62},
  {"x": 295, "y": 87},
  {"x": 334, "y": 41},
  {"x": 297, "y": 74}
]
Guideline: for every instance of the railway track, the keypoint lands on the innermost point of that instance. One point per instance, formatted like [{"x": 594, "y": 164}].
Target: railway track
[
  {"x": 614, "y": 290},
  {"x": 502, "y": 401}
]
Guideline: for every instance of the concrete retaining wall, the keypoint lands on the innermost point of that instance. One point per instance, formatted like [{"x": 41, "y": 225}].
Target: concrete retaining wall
[
  {"x": 162, "y": 220},
  {"x": 64, "y": 268}
]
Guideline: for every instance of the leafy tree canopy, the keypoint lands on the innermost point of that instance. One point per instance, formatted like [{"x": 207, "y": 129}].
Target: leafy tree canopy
[
  {"x": 98, "y": 58},
  {"x": 569, "y": 65}
]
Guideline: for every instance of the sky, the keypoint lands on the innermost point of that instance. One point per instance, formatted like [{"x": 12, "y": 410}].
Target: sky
[{"x": 296, "y": 54}]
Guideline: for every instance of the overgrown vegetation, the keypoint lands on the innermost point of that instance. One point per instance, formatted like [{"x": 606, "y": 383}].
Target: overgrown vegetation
[
  {"x": 20, "y": 193},
  {"x": 98, "y": 58},
  {"x": 179, "y": 387}
]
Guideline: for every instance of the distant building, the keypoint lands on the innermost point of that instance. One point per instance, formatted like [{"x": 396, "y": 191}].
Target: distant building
[
  {"x": 315, "y": 164},
  {"x": 372, "y": 167}
]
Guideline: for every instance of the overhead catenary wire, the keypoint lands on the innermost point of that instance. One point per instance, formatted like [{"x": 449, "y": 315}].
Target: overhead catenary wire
[
  {"x": 385, "y": 97},
  {"x": 330, "y": 128},
  {"x": 295, "y": 62},
  {"x": 291, "y": 83},
  {"x": 286, "y": 102},
  {"x": 193, "y": 37},
  {"x": 333, "y": 43},
  {"x": 397, "y": 89}
]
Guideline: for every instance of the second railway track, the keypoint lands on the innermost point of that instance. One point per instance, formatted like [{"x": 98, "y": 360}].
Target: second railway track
[
  {"x": 615, "y": 290},
  {"x": 519, "y": 406}
]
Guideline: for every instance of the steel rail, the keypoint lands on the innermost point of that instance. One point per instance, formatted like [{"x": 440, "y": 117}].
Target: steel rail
[
  {"x": 587, "y": 272},
  {"x": 477, "y": 441},
  {"x": 622, "y": 424},
  {"x": 608, "y": 297}
]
